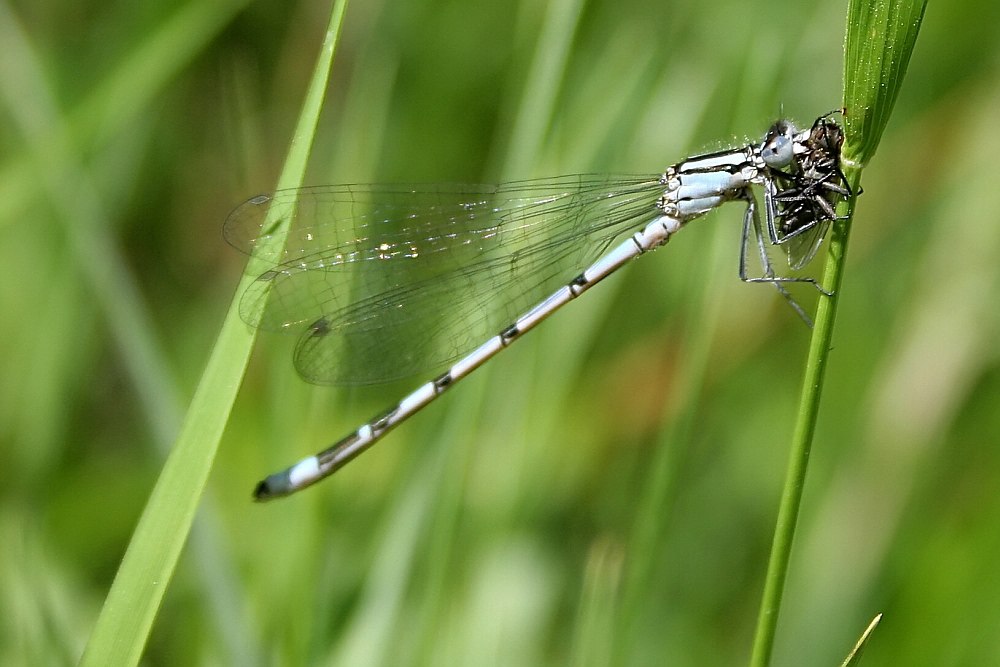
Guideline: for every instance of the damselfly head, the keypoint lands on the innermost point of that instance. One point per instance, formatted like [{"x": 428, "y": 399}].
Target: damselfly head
[{"x": 778, "y": 148}]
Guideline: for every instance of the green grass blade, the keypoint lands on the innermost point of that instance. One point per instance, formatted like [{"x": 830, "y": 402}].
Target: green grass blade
[
  {"x": 880, "y": 39},
  {"x": 149, "y": 562},
  {"x": 52, "y": 172}
]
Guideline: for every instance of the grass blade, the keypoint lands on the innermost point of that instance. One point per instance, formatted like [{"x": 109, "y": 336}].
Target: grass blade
[
  {"x": 880, "y": 39},
  {"x": 149, "y": 562},
  {"x": 854, "y": 657}
]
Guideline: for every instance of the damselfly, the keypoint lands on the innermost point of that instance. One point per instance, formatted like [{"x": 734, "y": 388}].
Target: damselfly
[{"x": 384, "y": 281}]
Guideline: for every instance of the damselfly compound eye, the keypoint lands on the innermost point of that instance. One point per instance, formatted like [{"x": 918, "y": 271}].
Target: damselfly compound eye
[{"x": 777, "y": 150}]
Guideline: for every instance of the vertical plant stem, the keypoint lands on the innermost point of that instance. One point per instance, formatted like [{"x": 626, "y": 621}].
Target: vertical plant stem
[
  {"x": 805, "y": 427},
  {"x": 881, "y": 35}
]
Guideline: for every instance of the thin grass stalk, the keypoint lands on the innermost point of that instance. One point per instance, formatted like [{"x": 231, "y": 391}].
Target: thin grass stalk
[{"x": 130, "y": 608}]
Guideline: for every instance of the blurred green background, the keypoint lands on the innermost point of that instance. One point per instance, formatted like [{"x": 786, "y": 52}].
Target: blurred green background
[{"x": 605, "y": 492}]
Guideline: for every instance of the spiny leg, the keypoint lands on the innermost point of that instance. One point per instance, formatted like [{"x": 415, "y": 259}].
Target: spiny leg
[{"x": 752, "y": 225}]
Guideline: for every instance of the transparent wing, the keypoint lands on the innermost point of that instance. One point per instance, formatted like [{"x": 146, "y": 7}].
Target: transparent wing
[
  {"x": 384, "y": 281},
  {"x": 801, "y": 248}
]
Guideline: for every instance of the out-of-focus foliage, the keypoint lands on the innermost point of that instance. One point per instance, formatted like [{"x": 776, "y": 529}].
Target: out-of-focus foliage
[{"x": 607, "y": 491}]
